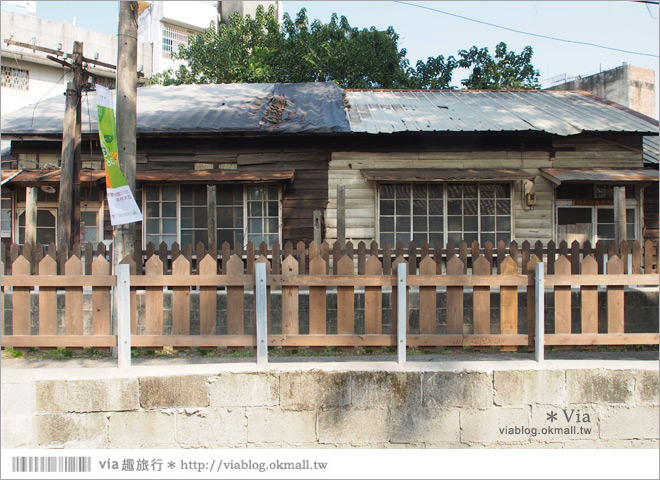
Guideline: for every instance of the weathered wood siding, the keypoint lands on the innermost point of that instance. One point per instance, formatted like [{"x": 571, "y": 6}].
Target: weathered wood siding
[{"x": 529, "y": 223}]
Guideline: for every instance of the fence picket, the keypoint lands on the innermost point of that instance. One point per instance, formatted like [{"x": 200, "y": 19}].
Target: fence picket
[
  {"x": 637, "y": 257},
  {"x": 462, "y": 254},
  {"x": 625, "y": 251},
  {"x": 563, "y": 297},
  {"x": 226, "y": 255},
  {"x": 508, "y": 302},
  {"x": 153, "y": 301},
  {"x": 455, "y": 266},
  {"x": 615, "y": 310},
  {"x": 89, "y": 258},
  {"x": 181, "y": 299},
  {"x": 21, "y": 298},
  {"x": 200, "y": 252},
  {"x": 387, "y": 259},
  {"x": 313, "y": 250},
  {"x": 301, "y": 257},
  {"x": 589, "y": 298},
  {"x": 552, "y": 253},
  {"x": 649, "y": 254},
  {"x": 575, "y": 258},
  {"x": 325, "y": 254},
  {"x": 362, "y": 257},
  {"x": 336, "y": 256},
  {"x": 600, "y": 253},
  {"x": 249, "y": 255},
  {"x": 373, "y": 248},
  {"x": 481, "y": 266},
  {"x": 290, "y": 319},
  {"x": 373, "y": 299},
  {"x": 48, "y": 299},
  {"x": 175, "y": 251},
  {"x": 235, "y": 296},
  {"x": 427, "y": 299},
  {"x": 101, "y": 299},
  {"x": 437, "y": 257},
  {"x": 317, "y": 297},
  {"x": 73, "y": 299},
  {"x": 162, "y": 255},
  {"x": 349, "y": 250},
  {"x": 525, "y": 255},
  {"x": 475, "y": 251},
  {"x": 276, "y": 260},
  {"x": 208, "y": 300},
  {"x": 412, "y": 258},
  {"x": 501, "y": 255},
  {"x": 345, "y": 297},
  {"x": 488, "y": 254}
]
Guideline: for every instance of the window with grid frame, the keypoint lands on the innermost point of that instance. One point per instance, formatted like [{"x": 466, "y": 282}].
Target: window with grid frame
[
  {"x": 240, "y": 209},
  {"x": 174, "y": 36},
  {"x": 437, "y": 212},
  {"x": 161, "y": 214},
  {"x": 15, "y": 78}
]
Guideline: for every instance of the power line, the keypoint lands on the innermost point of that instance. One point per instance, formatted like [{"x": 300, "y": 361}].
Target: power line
[{"x": 526, "y": 33}]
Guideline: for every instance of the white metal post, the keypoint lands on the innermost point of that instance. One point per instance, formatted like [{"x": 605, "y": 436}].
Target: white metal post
[
  {"x": 123, "y": 295},
  {"x": 401, "y": 312},
  {"x": 262, "y": 313},
  {"x": 539, "y": 292}
]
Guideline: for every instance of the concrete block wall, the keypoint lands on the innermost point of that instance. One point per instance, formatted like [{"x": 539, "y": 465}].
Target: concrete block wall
[{"x": 516, "y": 404}]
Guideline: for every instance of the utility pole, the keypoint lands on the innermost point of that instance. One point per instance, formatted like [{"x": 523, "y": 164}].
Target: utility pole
[
  {"x": 124, "y": 235},
  {"x": 68, "y": 213}
]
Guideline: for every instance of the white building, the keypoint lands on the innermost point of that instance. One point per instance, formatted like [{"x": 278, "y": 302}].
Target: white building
[
  {"x": 166, "y": 25},
  {"x": 28, "y": 76}
]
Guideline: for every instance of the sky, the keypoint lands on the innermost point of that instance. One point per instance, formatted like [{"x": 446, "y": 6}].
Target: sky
[{"x": 624, "y": 25}]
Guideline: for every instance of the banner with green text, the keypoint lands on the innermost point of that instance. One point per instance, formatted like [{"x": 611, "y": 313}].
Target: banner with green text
[{"x": 122, "y": 205}]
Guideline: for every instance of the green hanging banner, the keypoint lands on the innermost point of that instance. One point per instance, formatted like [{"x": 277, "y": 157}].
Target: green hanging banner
[{"x": 122, "y": 205}]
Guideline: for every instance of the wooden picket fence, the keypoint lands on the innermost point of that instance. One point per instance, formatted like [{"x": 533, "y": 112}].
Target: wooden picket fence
[{"x": 317, "y": 269}]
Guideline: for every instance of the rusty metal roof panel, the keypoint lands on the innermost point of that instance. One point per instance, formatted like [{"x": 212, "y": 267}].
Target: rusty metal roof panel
[
  {"x": 557, "y": 113},
  {"x": 559, "y": 175}
]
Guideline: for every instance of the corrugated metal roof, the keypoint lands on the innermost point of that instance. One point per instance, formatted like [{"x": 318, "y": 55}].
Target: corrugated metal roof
[
  {"x": 650, "y": 149},
  {"x": 266, "y": 108},
  {"x": 558, "y": 113},
  {"x": 559, "y": 175}
]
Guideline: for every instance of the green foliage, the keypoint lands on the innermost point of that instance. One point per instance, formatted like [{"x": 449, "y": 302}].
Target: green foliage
[
  {"x": 505, "y": 71},
  {"x": 260, "y": 50}
]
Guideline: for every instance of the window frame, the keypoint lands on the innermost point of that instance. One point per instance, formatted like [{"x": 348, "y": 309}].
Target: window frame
[
  {"x": 445, "y": 199},
  {"x": 244, "y": 206}
]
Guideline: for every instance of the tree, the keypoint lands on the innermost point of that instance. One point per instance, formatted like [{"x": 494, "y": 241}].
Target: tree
[
  {"x": 260, "y": 50},
  {"x": 506, "y": 71}
]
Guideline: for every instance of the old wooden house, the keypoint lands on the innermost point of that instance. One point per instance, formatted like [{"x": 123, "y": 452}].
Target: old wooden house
[
  {"x": 262, "y": 146},
  {"x": 488, "y": 165},
  {"x": 432, "y": 166}
]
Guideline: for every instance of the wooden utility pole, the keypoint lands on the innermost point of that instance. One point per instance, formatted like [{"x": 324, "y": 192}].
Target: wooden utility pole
[
  {"x": 68, "y": 214},
  {"x": 124, "y": 235}
]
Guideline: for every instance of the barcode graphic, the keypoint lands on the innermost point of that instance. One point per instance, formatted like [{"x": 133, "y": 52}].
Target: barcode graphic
[{"x": 51, "y": 464}]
